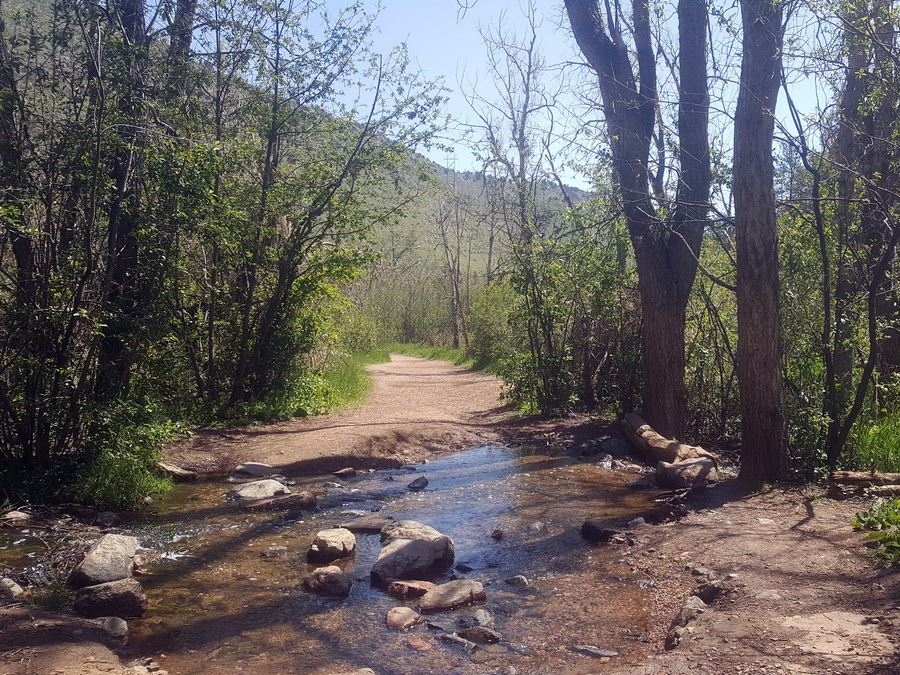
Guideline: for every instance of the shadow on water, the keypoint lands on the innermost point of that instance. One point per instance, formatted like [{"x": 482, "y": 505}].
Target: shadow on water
[{"x": 218, "y": 604}]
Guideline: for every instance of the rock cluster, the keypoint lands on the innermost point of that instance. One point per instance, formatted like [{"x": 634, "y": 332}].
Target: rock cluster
[{"x": 104, "y": 580}]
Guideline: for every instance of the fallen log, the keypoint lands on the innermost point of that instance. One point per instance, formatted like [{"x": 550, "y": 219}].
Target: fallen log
[
  {"x": 653, "y": 446},
  {"x": 865, "y": 478},
  {"x": 176, "y": 473}
]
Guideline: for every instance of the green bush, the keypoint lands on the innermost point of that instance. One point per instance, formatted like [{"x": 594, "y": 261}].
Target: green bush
[
  {"x": 882, "y": 521},
  {"x": 877, "y": 444},
  {"x": 490, "y": 324},
  {"x": 121, "y": 470}
]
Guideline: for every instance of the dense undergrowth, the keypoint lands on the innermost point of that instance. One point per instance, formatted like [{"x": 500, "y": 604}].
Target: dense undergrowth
[{"x": 882, "y": 522}]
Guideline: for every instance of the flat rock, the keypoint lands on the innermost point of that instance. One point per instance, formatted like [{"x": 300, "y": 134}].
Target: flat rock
[
  {"x": 349, "y": 472},
  {"x": 176, "y": 473},
  {"x": 418, "y": 484},
  {"x": 480, "y": 635},
  {"x": 258, "y": 490},
  {"x": 331, "y": 545},
  {"x": 255, "y": 469},
  {"x": 10, "y": 591},
  {"x": 406, "y": 590},
  {"x": 451, "y": 595},
  {"x": 598, "y": 531},
  {"x": 690, "y": 473},
  {"x": 123, "y": 598},
  {"x": 402, "y": 618},
  {"x": 591, "y": 650},
  {"x": 329, "y": 581},
  {"x": 371, "y": 523},
  {"x": 111, "y": 558},
  {"x": 15, "y": 518},
  {"x": 411, "y": 550},
  {"x": 295, "y": 501}
]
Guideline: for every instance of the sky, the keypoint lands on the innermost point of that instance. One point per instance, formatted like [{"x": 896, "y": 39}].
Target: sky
[{"x": 445, "y": 42}]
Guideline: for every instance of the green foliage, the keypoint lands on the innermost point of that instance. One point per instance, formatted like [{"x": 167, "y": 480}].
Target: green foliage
[
  {"x": 346, "y": 379},
  {"x": 876, "y": 444},
  {"x": 438, "y": 353},
  {"x": 882, "y": 521},
  {"x": 121, "y": 469},
  {"x": 53, "y": 595}
]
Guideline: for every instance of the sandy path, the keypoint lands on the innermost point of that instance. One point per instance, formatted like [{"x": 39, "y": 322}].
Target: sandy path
[{"x": 416, "y": 407}]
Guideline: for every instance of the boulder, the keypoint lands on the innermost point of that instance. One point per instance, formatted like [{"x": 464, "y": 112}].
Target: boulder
[
  {"x": 111, "y": 558},
  {"x": 258, "y": 490},
  {"x": 370, "y": 523},
  {"x": 418, "y": 484},
  {"x": 598, "y": 531},
  {"x": 331, "y": 545},
  {"x": 411, "y": 550},
  {"x": 402, "y": 618},
  {"x": 451, "y": 595},
  {"x": 10, "y": 591},
  {"x": 123, "y": 598},
  {"x": 480, "y": 635},
  {"x": 689, "y": 473},
  {"x": 115, "y": 627},
  {"x": 406, "y": 590},
  {"x": 329, "y": 581},
  {"x": 255, "y": 469}
]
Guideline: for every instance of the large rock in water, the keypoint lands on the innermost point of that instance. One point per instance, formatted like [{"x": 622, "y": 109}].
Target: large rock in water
[
  {"x": 124, "y": 599},
  {"x": 330, "y": 545},
  {"x": 258, "y": 489},
  {"x": 411, "y": 550},
  {"x": 690, "y": 473},
  {"x": 451, "y": 595},
  {"x": 111, "y": 558}
]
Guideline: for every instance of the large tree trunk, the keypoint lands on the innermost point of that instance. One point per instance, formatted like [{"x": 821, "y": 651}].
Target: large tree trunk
[
  {"x": 665, "y": 251},
  {"x": 759, "y": 350}
]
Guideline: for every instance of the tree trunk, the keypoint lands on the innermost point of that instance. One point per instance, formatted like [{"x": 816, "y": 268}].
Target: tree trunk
[{"x": 760, "y": 349}]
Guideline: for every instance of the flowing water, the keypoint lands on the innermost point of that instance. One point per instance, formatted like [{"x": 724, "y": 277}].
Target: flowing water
[{"x": 218, "y": 604}]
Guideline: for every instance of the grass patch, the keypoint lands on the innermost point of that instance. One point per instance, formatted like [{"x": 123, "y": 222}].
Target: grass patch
[
  {"x": 455, "y": 356},
  {"x": 882, "y": 521},
  {"x": 877, "y": 444},
  {"x": 347, "y": 381}
]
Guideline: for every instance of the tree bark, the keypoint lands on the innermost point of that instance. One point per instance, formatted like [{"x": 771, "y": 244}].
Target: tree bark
[{"x": 760, "y": 348}]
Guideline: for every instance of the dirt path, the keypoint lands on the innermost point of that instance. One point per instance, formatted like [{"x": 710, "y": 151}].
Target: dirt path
[{"x": 416, "y": 407}]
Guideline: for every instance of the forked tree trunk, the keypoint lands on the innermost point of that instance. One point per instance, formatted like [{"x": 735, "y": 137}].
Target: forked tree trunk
[{"x": 759, "y": 350}]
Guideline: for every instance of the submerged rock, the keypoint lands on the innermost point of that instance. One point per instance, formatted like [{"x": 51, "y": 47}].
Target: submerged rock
[
  {"x": 481, "y": 635},
  {"x": 331, "y": 545},
  {"x": 294, "y": 502},
  {"x": 406, "y": 590},
  {"x": 411, "y": 550},
  {"x": 258, "y": 490},
  {"x": 111, "y": 558},
  {"x": 329, "y": 581},
  {"x": 124, "y": 599},
  {"x": 598, "y": 531},
  {"x": 451, "y": 595},
  {"x": 402, "y": 618}
]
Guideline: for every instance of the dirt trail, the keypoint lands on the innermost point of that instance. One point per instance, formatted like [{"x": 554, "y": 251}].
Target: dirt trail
[{"x": 416, "y": 407}]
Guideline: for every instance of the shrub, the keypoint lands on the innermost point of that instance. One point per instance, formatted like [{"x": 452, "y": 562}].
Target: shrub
[
  {"x": 882, "y": 521},
  {"x": 877, "y": 444}
]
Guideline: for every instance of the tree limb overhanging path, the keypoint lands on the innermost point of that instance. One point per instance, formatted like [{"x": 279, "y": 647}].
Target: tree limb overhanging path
[{"x": 416, "y": 407}]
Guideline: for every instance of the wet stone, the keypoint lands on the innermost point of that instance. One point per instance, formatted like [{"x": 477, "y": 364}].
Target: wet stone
[
  {"x": 402, "y": 618},
  {"x": 258, "y": 490},
  {"x": 330, "y": 545},
  {"x": 406, "y": 590},
  {"x": 371, "y": 523},
  {"x": 418, "y": 484},
  {"x": 451, "y": 595},
  {"x": 328, "y": 581}
]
